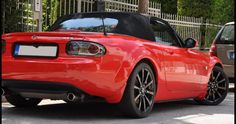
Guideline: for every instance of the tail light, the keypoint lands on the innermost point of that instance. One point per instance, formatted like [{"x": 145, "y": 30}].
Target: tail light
[
  {"x": 83, "y": 48},
  {"x": 212, "y": 51},
  {"x": 3, "y": 44}
]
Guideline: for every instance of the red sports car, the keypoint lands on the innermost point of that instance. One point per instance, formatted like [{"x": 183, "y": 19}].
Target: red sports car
[{"x": 125, "y": 58}]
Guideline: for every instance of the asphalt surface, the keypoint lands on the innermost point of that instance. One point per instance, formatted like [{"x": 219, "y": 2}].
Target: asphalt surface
[{"x": 180, "y": 112}]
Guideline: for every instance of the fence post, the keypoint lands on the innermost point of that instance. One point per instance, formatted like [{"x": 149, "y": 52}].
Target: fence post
[
  {"x": 40, "y": 17},
  {"x": 79, "y": 5},
  {"x": 100, "y": 5},
  {"x": 202, "y": 33},
  {"x": 38, "y": 13}
]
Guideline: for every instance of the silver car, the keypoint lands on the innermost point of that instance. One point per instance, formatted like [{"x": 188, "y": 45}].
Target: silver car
[{"x": 223, "y": 48}]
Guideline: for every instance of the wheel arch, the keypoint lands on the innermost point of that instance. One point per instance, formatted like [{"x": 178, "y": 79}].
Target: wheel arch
[
  {"x": 136, "y": 55},
  {"x": 116, "y": 98},
  {"x": 214, "y": 61},
  {"x": 151, "y": 64},
  {"x": 218, "y": 65}
]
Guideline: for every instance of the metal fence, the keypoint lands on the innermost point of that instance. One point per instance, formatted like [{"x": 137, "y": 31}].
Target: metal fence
[
  {"x": 211, "y": 32},
  {"x": 75, "y": 6},
  {"x": 19, "y": 13},
  {"x": 132, "y": 6},
  {"x": 185, "y": 26},
  {"x": 52, "y": 9},
  {"x": 27, "y": 22},
  {"x": 64, "y": 7}
]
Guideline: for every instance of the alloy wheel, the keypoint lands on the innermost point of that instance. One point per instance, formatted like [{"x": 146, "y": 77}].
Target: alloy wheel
[
  {"x": 217, "y": 86},
  {"x": 144, "y": 90}
]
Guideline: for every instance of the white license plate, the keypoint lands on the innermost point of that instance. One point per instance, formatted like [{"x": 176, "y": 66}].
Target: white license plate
[{"x": 35, "y": 50}]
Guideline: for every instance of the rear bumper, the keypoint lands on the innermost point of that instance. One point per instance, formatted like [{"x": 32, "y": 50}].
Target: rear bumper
[
  {"x": 38, "y": 86},
  {"x": 229, "y": 70},
  {"x": 40, "y": 89},
  {"x": 90, "y": 75}
]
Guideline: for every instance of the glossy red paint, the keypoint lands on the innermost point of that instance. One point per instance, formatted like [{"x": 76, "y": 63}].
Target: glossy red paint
[{"x": 180, "y": 72}]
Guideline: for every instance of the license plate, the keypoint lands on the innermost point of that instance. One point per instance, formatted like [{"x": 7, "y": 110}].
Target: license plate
[
  {"x": 35, "y": 50},
  {"x": 231, "y": 55}
]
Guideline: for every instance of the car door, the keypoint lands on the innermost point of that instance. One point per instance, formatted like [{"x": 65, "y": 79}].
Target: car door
[
  {"x": 225, "y": 48},
  {"x": 181, "y": 68}
]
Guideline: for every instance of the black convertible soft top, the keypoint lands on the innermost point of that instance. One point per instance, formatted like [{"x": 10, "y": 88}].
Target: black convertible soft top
[{"x": 133, "y": 24}]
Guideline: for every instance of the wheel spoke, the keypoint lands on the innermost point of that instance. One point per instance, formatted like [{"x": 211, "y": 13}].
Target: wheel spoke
[
  {"x": 208, "y": 87},
  {"x": 210, "y": 94},
  {"x": 139, "y": 80},
  {"x": 136, "y": 98},
  {"x": 136, "y": 87},
  {"x": 144, "y": 104},
  {"x": 140, "y": 103},
  {"x": 212, "y": 76},
  {"x": 220, "y": 81},
  {"x": 150, "y": 92},
  {"x": 213, "y": 96},
  {"x": 217, "y": 76},
  {"x": 149, "y": 102},
  {"x": 142, "y": 75},
  {"x": 148, "y": 84},
  {"x": 148, "y": 74},
  {"x": 222, "y": 88},
  {"x": 219, "y": 94}
]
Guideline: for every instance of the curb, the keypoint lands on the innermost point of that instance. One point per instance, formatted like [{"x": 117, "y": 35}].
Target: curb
[{"x": 231, "y": 89}]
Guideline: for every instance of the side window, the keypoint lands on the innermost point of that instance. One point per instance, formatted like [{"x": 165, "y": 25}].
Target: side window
[
  {"x": 227, "y": 36},
  {"x": 162, "y": 34}
]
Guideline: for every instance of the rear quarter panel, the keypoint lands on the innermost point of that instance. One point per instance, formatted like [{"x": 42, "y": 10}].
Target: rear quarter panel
[{"x": 124, "y": 53}]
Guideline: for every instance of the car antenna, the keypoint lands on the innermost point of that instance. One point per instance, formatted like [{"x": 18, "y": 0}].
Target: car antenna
[{"x": 103, "y": 25}]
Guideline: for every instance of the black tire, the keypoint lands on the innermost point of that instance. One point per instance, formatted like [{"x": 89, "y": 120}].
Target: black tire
[
  {"x": 138, "y": 103},
  {"x": 217, "y": 88},
  {"x": 19, "y": 101}
]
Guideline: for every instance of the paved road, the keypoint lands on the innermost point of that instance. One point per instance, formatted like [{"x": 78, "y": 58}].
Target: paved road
[{"x": 181, "y": 112}]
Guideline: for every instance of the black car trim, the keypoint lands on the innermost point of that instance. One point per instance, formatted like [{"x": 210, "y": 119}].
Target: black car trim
[{"x": 37, "y": 86}]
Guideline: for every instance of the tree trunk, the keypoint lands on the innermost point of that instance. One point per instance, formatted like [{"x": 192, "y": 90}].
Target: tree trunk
[
  {"x": 2, "y": 17},
  {"x": 143, "y": 6},
  {"x": 203, "y": 35}
]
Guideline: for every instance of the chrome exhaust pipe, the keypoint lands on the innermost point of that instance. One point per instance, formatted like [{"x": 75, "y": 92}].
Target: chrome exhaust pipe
[
  {"x": 71, "y": 97},
  {"x": 3, "y": 92}
]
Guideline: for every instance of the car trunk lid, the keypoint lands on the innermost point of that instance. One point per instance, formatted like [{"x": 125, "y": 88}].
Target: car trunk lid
[{"x": 43, "y": 44}]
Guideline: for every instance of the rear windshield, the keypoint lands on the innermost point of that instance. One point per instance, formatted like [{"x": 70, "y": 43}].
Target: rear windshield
[
  {"x": 89, "y": 24},
  {"x": 120, "y": 23},
  {"x": 227, "y": 35}
]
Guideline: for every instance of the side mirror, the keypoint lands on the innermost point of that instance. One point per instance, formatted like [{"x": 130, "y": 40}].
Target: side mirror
[{"x": 191, "y": 43}]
